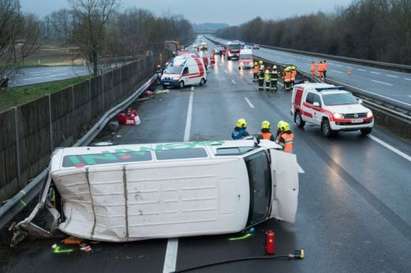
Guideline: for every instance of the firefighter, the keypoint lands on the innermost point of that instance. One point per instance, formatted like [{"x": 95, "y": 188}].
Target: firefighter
[
  {"x": 267, "y": 79},
  {"x": 293, "y": 75},
  {"x": 255, "y": 71},
  {"x": 265, "y": 131},
  {"x": 313, "y": 70},
  {"x": 325, "y": 68},
  {"x": 240, "y": 129},
  {"x": 285, "y": 136},
  {"x": 274, "y": 78},
  {"x": 321, "y": 70},
  {"x": 261, "y": 78},
  {"x": 287, "y": 78}
]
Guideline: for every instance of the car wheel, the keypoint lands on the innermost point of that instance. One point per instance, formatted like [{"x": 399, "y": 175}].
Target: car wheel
[
  {"x": 365, "y": 131},
  {"x": 202, "y": 82},
  {"x": 299, "y": 120},
  {"x": 326, "y": 128},
  {"x": 181, "y": 85}
]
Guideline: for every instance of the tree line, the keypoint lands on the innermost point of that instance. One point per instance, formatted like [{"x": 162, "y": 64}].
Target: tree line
[
  {"x": 368, "y": 29},
  {"x": 97, "y": 28}
]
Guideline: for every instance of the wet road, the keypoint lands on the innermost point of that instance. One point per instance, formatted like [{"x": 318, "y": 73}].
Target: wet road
[
  {"x": 387, "y": 84},
  {"x": 34, "y": 75},
  {"x": 354, "y": 206}
]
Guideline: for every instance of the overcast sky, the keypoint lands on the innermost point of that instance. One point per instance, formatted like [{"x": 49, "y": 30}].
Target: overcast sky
[{"x": 219, "y": 11}]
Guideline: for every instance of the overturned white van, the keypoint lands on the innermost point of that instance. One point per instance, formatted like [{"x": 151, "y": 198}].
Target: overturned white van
[{"x": 168, "y": 190}]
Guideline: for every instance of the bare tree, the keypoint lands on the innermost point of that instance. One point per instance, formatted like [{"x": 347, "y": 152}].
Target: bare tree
[
  {"x": 91, "y": 18},
  {"x": 28, "y": 37}
]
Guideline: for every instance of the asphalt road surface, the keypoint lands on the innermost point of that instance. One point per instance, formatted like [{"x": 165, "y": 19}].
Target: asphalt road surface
[
  {"x": 388, "y": 84},
  {"x": 34, "y": 75},
  {"x": 354, "y": 205}
]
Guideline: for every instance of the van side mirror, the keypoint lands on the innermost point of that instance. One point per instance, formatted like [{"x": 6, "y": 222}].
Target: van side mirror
[
  {"x": 360, "y": 101},
  {"x": 316, "y": 104}
]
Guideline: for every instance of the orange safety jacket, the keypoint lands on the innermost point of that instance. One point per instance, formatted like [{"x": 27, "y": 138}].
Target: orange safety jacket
[
  {"x": 256, "y": 69},
  {"x": 293, "y": 75},
  {"x": 287, "y": 76},
  {"x": 313, "y": 68},
  {"x": 321, "y": 67},
  {"x": 286, "y": 139},
  {"x": 267, "y": 136}
]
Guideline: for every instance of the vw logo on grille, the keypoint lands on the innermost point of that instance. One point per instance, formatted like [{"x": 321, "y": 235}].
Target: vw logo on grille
[{"x": 355, "y": 115}]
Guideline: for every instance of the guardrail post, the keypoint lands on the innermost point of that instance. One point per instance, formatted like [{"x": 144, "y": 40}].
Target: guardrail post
[
  {"x": 16, "y": 122},
  {"x": 51, "y": 125}
]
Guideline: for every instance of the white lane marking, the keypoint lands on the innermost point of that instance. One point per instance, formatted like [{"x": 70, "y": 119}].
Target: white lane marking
[
  {"x": 361, "y": 69},
  {"x": 391, "y": 76},
  {"x": 391, "y": 148},
  {"x": 375, "y": 72},
  {"x": 233, "y": 81},
  {"x": 170, "y": 260},
  {"x": 381, "y": 82},
  {"x": 249, "y": 103},
  {"x": 189, "y": 117},
  {"x": 366, "y": 91},
  {"x": 407, "y": 79}
]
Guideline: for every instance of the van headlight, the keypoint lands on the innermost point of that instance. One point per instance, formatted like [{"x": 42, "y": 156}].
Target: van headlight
[
  {"x": 338, "y": 116},
  {"x": 369, "y": 114}
]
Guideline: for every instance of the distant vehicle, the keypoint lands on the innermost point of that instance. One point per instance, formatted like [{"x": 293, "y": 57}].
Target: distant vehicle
[
  {"x": 186, "y": 69},
  {"x": 256, "y": 46},
  {"x": 233, "y": 50},
  {"x": 168, "y": 190},
  {"x": 330, "y": 107},
  {"x": 219, "y": 50},
  {"x": 203, "y": 46},
  {"x": 246, "y": 59}
]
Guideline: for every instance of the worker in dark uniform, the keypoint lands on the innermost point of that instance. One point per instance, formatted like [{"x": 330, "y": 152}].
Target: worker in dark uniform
[{"x": 274, "y": 79}]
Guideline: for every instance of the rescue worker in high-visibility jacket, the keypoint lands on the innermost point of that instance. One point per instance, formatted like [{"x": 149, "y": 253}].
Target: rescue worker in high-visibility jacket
[
  {"x": 313, "y": 70},
  {"x": 321, "y": 69},
  {"x": 266, "y": 131},
  {"x": 285, "y": 136},
  {"x": 261, "y": 78},
  {"x": 293, "y": 75},
  {"x": 267, "y": 79},
  {"x": 240, "y": 129},
  {"x": 256, "y": 68},
  {"x": 325, "y": 65},
  {"x": 287, "y": 78},
  {"x": 274, "y": 78}
]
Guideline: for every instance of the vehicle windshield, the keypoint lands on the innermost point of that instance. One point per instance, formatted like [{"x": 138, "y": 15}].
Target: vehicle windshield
[
  {"x": 258, "y": 168},
  {"x": 171, "y": 69},
  {"x": 246, "y": 56},
  {"x": 339, "y": 99},
  {"x": 234, "y": 46}
]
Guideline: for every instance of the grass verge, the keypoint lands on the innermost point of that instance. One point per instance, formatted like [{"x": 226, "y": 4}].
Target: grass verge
[{"x": 19, "y": 95}]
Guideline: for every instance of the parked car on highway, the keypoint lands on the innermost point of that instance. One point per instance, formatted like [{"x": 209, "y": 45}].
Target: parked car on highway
[
  {"x": 331, "y": 107},
  {"x": 256, "y": 46},
  {"x": 168, "y": 190},
  {"x": 246, "y": 59},
  {"x": 186, "y": 69},
  {"x": 233, "y": 50}
]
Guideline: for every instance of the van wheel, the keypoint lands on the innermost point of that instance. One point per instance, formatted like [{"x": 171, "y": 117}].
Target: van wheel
[
  {"x": 299, "y": 120},
  {"x": 202, "y": 82},
  {"x": 365, "y": 131},
  {"x": 326, "y": 128},
  {"x": 181, "y": 85}
]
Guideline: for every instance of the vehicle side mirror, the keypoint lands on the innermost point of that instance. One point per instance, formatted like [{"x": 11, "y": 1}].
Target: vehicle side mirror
[
  {"x": 316, "y": 104},
  {"x": 360, "y": 101}
]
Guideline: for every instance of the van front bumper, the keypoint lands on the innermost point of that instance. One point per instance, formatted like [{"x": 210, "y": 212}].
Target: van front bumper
[
  {"x": 350, "y": 126},
  {"x": 171, "y": 83}
]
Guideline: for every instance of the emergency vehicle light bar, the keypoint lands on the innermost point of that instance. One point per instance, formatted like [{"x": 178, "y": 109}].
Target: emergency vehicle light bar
[{"x": 319, "y": 89}]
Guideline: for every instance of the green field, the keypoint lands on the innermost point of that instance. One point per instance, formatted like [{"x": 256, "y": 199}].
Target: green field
[{"x": 19, "y": 95}]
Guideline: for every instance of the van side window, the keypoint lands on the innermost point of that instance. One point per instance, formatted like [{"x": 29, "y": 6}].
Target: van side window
[
  {"x": 309, "y": 98},
  {"x": 105, "y": 158},
  {"x": 185, "y": 71},
  {"x": 316, "y": 98},
  {"x": 234, "y": 150},
  {"x": 181, "y": 153}
]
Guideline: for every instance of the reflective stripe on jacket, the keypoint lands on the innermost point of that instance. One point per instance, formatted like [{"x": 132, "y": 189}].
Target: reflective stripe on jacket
[{"x": 286, "y": 139}]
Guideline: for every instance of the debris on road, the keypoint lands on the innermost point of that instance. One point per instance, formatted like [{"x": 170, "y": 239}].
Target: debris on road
[
  {"x": 72, "y": 241},
  {"x": 57, "y": 249},
  {"x": 165, "y": 91},
  {"x": 130, "y": 117}
]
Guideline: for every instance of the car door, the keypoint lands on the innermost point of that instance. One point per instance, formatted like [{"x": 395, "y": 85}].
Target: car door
[
  {"x": 317, "y": 109},
  {"x": 284, "y": 175},
  {"x": 308, "y": 111}
]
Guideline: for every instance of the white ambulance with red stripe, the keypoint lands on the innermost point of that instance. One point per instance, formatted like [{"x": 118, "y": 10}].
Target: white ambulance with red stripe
[
  {"x": 330, "y": 107},
  {"x": 185, "y": 69}
]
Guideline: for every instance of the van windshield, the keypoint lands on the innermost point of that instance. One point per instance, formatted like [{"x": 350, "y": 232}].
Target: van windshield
[
  {"x": 259, "y": 174},
  {"x": 339, "y": 99},
  {"x": 234, "y": 46},
  {"x": 171, "y": 69}
]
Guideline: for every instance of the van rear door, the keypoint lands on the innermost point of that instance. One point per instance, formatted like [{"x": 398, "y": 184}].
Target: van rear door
[{"x": 284, "y": 175}]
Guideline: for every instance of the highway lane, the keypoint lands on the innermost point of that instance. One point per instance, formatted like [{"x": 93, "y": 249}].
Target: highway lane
[
  {"x": 354, "y": 196},
  {"x": 389, "y": 84},
  {"x": 34, "y": 75}
]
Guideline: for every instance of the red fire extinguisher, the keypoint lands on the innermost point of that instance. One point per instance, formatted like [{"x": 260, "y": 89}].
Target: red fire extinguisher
[{"x": 270, "y": 242}]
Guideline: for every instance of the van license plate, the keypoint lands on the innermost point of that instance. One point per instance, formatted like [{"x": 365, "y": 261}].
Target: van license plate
[{"x": 358, "y": 120}]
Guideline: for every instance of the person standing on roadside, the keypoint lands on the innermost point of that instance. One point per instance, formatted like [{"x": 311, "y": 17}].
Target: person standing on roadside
[
  {"x": 313, "y": 70},
  {"x": 325, "y": 64},
  {"x": 321, "y": 71}
]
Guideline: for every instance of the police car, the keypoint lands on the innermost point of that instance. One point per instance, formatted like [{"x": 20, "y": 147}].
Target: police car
[{"x": 330, "y": 107}]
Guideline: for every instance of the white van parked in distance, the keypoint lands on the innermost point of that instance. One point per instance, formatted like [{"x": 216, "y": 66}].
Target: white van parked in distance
[
  {"x": 246, "y": 59},
  {"x": 169, "y": 190},
  {"x": 186, "y": 69}
]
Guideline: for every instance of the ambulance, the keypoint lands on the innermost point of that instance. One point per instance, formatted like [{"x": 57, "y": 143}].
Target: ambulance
[
  {"x": 330, "y": 107},
  {"x": 185, "y": 70},
  {"x": 169, "y": 190},
  {"x": 233, "y": 50},
  {"x": 246, "y": 59}
]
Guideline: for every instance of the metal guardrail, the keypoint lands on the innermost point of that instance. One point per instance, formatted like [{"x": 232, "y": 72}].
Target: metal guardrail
[{"x": 19, "y": 201}]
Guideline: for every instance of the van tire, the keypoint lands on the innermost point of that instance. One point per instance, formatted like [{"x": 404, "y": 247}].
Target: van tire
[
  {"x": 326, "y": 128},
  {"x": 202, "y": 81},
  {"x": 366, "y": 131},
  {"x": 181, "y": 84},
  {"x": 298, "y": 119}
]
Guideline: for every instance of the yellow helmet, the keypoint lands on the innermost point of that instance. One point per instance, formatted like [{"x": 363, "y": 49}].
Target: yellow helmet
[
  {"x": 283, "y": 126},
  {"x": 260, "y": 62},
  {"x": 274, "y": 67},
  {"x": 255, "y": 63},
  {"x": 265, "y": 124},
  {"x": 241, "y": 123}
]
